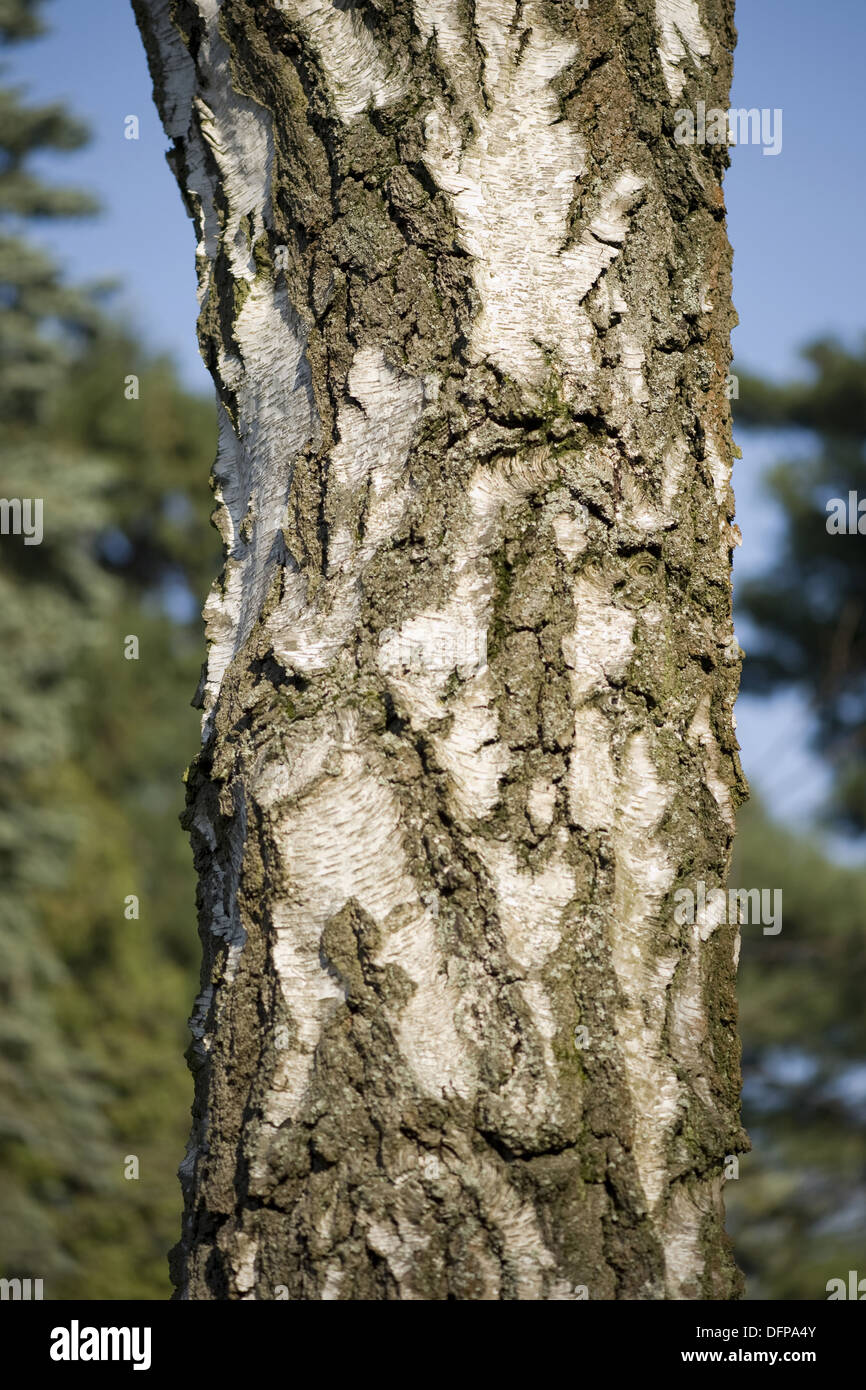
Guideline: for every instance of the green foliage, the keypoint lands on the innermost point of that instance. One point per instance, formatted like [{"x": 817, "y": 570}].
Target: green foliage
[
  {"x": 92, "y": 747},
  {"x": 42, "y": 321},
  {"x": 91, "y": 1054},
  {"x": 796, "y": 1211},
  {"x": 809, "y": 609},
  {"x": 20, "y": 19}
]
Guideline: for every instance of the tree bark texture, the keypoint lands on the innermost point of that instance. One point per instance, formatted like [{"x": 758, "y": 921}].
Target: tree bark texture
[{"x": 468, "y": 703}]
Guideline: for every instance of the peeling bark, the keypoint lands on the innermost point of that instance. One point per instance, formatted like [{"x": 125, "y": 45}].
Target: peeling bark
[{"x": 468, "y": 703}]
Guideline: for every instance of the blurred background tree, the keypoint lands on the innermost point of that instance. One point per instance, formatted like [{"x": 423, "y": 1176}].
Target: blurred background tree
[
  {"x": 796, "y": 1214},
  {"x": 810, "y": 609},
  {"x": 799, "y": 1209},
  {"x": 92, "y": 747}
]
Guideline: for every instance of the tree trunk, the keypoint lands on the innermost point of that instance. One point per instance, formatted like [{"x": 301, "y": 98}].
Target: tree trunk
[{"x": 468, "y": 699}]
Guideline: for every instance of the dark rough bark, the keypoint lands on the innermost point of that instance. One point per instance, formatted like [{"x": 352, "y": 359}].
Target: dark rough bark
[{"x": 468, "y": 706}]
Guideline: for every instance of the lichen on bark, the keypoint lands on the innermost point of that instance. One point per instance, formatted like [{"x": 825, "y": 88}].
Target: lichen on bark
[{"x": 471, "y": 670}]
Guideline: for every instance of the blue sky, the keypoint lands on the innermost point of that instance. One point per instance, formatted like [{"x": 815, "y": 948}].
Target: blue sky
[{"x": 795, "y": 221}]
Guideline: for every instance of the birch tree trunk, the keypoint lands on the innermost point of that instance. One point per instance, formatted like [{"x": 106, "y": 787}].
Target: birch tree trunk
[{"x": 468, "y": 703}]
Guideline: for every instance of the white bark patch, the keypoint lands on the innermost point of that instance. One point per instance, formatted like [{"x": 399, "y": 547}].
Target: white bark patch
[
  {"x": 359, "y": 76},
  {"x": 683, "y": 37},
  {"x": 244, "y": 1251},
  {"x": 441, "y": 18},
  {"x": 333, "y": 1281},
  {"x": 673, "y": 473},
  {"x": 442, "y": 1058},
  {"x": 683, "y": 1217},
  {"x": 654, "y": 512},
  {"x": 269, "y": 376},
  {"x": 644, "y": 874},
  {"x": 628, "y": 799},
  {"x": 399, "y": 1243},
  {"x": 600, "y": 648},
  {"x": 571, "y": 535},
  {"x": 471, "y": 753},
  {"x": 376, "y": 427},
  {"x": 688, "y": 1016},
  {"x": 444, "y": 641},
  {"x": 530, "y": 904},
  {"x": 632, "y": 358},
  {"x": 720, "y": 472},
  {"x": 529, "y": 908},
  {"x": 512, "y": 184},
  {"x": 368, "y": 470},
  {"x": 510, "y": 1257},
  {"x": 178, "y": 71},
  {"x": 540, "y": 804},
  {"x": 597, "y": 652},
  {"x": 343, "y": 841},
  {"x": 253, "y": 473},
  {"x": 701, "y": 732},
  {"x": 453, "y": 637},
  {"x": 591, "y": 779},
  {"x": 527, "y": 1262}
]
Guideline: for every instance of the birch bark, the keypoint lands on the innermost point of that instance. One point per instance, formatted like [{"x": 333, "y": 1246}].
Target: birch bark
[{"x": 468, "y": 702}]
